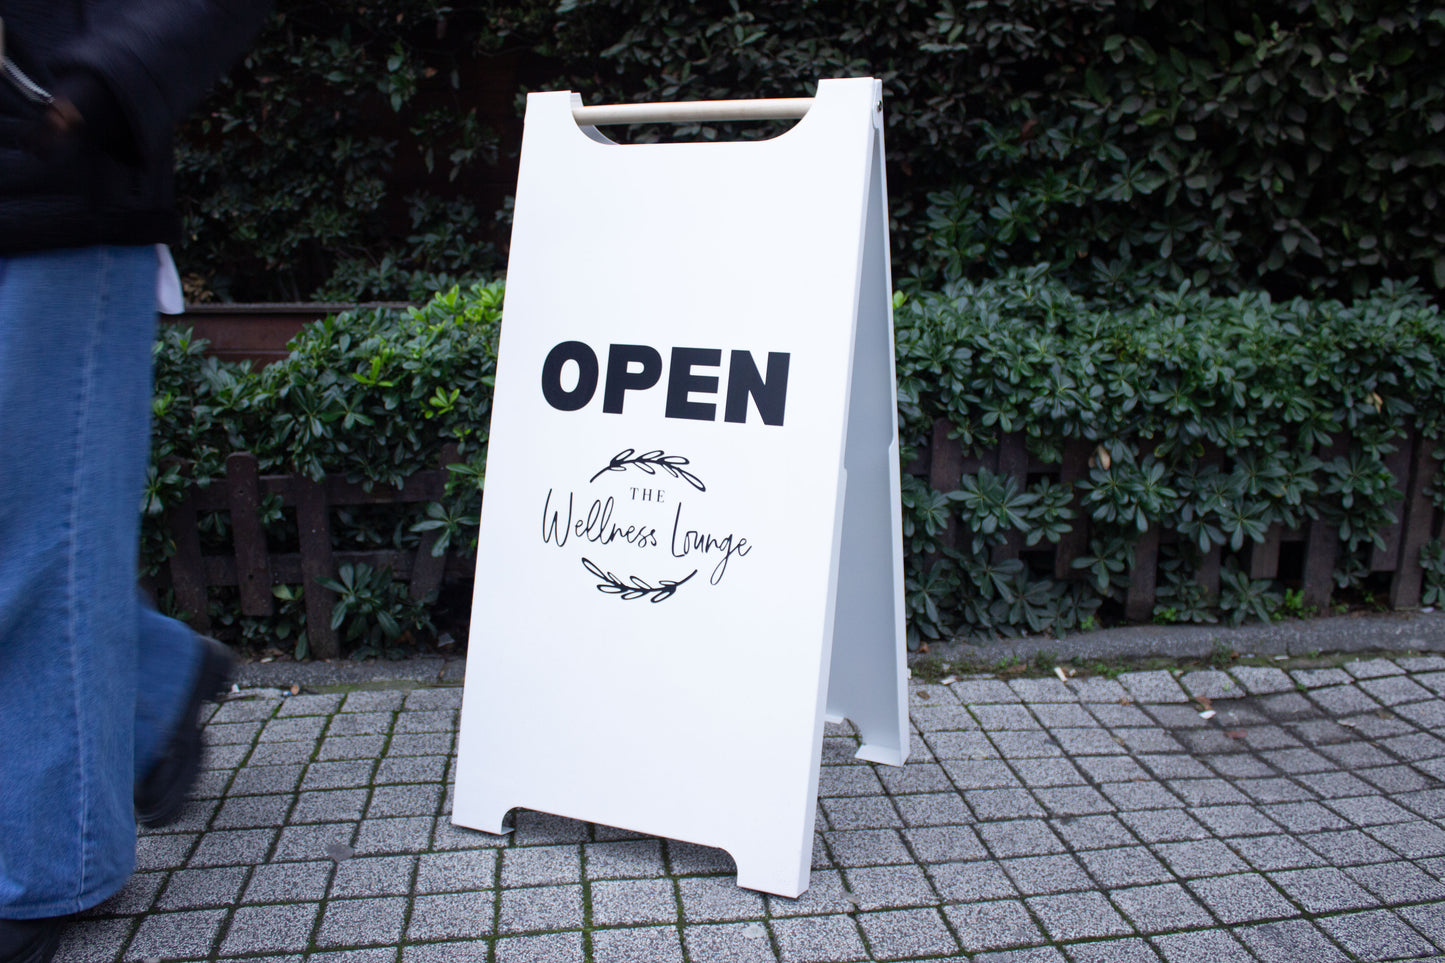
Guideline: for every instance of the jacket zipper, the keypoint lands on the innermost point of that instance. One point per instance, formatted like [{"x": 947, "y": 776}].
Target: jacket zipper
[{"x": 28, "y": 88}]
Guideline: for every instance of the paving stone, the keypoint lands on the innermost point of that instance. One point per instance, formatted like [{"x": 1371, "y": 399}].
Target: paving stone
[
  {"x": 1322, "y": 890},
  {"x": 1216, "y": 946},
  {"x": 972, "y": 692},
  {"x": 1269, "y": 737},
  {"x": 1211, "y": 684},
  {"x": 1087, "y": 742},
  {"x": 1025, "y": 837},
  {"x": 420, "y": 744},
  {"x": 536, "y": 908},
  {"x": 1110, "y": 768},
  {"x": 362, "y": 922},
  {"x": 407, "y": 800},
  {"x": 1160, "y": 908},
  {"x": 1421, "y": 663},
  {"x": 1176, "y": 716},
  {"x": 1395, "y": 779},
  {"x": 374, "y": 876},
  {"x": 1376, "y": 935},
  {"x": 1076, "y": 916},
  {"x": 728, "y": 943},
  {"x": 544, "y": 948},
  {"x": 1117, "y": 716},
  {"x": 1397, "y": 882},
  {"x": 1174, "y": 766},
  {"x": 1395, "y": 691},
  {"x": 881, "y": 887},
  {"x": 993, "y": 718},
  {"x": 375, "y": 700},
  {"x": 307, "y": 843},
  {"x": 1047, "y": 773},
  {"x": 136, "y": 896},
  {"x": 1128, "y": 796},
  {"x": 864, "y": 812},
  {"x": 1318, "y": 678},
  {"x": 933, "y": 809},
  {"x": 1130, "y": 950},
  {"x": 335, "y": 748},
  {"x": 300, "y": 729},
  {"x": 271, "y": 929},
  {"x": 863, "y": 847},
  {"x": 408, "y": 834},
  {"x": 1037, "y": 875},
  {"x": 309, "y": 704},
  {"x": 970, "y": 882},
  {"x": 709, "y": 899},
  {"x": 281, "y": 754},
  {"x": 1125, "y": 866},
  {"x": 346, "y": 774},
  {"x": 1097, "y": 689},
  {"x": 163, "y": 851},
  {"x": 184, "y": 936},
  {"x": 1032, "y": 954},
  {"x": 1289, "y": 941},
  {"x": 1273, "y": 790},
  {"x": 993, "y": 925},
  {"x": 1346, "y": 848},
  {"x": 544, "y": 829},
  {"x": 202, "y": 888},
  {"x": 848, "y": 780},
  {"x": 1234, "y": 820},
  {"x": 288, "y": 882},
  {"x": 994, "y": 804},
  {"x": 904, "y": 934},
  {"x": 1295, "y": 761},
  {"x": 818, "y": 939},
  {"x": 435, "y": 697},
  {"x": 1195, "y": 858},
  {"x": 1073, "y": 801},
  {"x": 1147, "y": 740},
  {"x": 1061, "y": 715},
  {"x": 1305, "y": 817},
  {"x": 93, "y": 940},
  {"x": 1343, "y": 700},
  {"x": 408, "y": 769},
  {"x": 248, "y": 812},
  {"x": 980, "y": 773},
  {"x": 1206, "y": 792},
  {"x": 652, "y": 944},
  {"x": 826, "y": 895},
  {"x": 939, "y": 718},
  {"x": 255, "y": 780},
  {"x": 539, "y": 865},
  {"x": 1152, "y": 687},
  {"x": 1336, "y": 785},
  {"x": 237, "y": 847},
  {"x": 1042, "y": 690},
  {"x": 960, "y": 745},
  {"x": 1267, "y": 853},
  {"x": 329, "y": 806},
  {"x": 1164, "y": 826},
  {"x": 1092, "y": 832},
  {"x": 1426, "y": 715},
  {"x": 633, "y": 901},
  {"x": 438, "y": 721},
  {"x": 1428, "y": 919},
  {"x": 687, "y": 859},
  {"x": 1370, "y": 811},
  {"x": 1262, "y": 680},
  {"x": 1372, "y": 668},
  {"x": 453, "y": 916},
  {"x": 1242, "y": 898},
  {"x": 1416, "y": 747}
]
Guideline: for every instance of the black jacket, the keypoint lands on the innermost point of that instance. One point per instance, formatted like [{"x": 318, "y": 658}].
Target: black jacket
[{"x": 133, "y": 68}]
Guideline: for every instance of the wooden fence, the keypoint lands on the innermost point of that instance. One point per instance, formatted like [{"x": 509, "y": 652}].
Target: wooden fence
[
  {"x": 253, "y": 569},
  {"x": 1413, "y": 466}
]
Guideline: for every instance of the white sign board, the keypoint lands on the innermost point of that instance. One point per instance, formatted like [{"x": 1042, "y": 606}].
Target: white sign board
[{"x": 690, "y": 549}]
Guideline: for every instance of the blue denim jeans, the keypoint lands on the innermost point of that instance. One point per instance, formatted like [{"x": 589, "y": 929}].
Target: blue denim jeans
[{"x": 92, "y": 681}]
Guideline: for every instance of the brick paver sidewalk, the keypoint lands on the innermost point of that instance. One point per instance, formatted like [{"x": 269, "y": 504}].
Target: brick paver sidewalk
[{"x": 1098, "y": 820}]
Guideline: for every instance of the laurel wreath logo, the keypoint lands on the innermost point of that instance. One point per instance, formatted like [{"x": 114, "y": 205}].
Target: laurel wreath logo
[
  {"x": 651, "y": 462},
  {"x": 634, "y": 587}
]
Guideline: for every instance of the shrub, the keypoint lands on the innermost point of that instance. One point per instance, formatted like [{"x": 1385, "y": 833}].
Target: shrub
[{"x": 1212, "y": 418}]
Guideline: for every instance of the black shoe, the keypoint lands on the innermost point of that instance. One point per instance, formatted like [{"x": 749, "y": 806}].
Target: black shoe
[
  {"x": 163, "y": 791},
  {"x": 29, "y": 941}
]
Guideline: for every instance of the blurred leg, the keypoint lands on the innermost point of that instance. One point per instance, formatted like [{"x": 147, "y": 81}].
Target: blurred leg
[{"x": 76, "y": 329}]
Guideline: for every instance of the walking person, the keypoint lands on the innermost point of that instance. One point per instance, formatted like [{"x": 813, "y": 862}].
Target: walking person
[{"x": 99, "y": 694}]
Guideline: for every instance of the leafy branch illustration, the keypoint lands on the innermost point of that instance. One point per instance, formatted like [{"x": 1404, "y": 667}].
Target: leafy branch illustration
[
  {"x": 651, "y": 462},
  {"x": 634, "y": 587}
]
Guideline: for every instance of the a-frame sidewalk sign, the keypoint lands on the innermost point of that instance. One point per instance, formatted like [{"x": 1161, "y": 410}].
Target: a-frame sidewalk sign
[{"x": 690, "y": 547}]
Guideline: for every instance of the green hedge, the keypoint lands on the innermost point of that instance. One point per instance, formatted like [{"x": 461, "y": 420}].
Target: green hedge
[
  {"x": 375, "y": 395},
  {"x": 1291, "y": 145}
]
